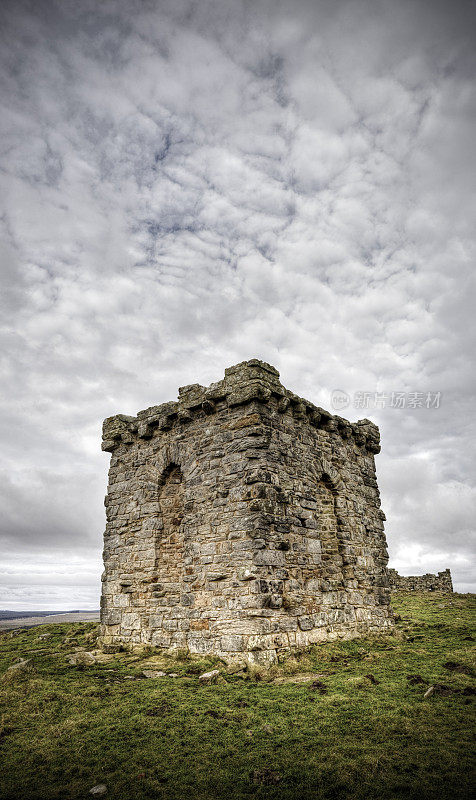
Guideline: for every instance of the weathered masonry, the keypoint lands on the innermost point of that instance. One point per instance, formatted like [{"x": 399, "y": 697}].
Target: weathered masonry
[
  {"x": 421, "y": 583},
  {"x": 243, "y": 521}
]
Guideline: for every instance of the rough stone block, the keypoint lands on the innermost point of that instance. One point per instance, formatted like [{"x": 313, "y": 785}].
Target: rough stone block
[
  {"x": 232, "y": 644},
  {"x": 268, "y": 558}
]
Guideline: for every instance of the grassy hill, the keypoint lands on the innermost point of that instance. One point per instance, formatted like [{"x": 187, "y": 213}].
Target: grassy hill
[{"x": 343, "y": 720}]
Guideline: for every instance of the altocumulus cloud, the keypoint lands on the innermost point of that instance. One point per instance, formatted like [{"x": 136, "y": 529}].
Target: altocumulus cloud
[{"x": 189, "y": 184}]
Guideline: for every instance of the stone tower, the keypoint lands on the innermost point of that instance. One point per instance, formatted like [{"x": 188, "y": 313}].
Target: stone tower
[{"x": 242, "y": 520}]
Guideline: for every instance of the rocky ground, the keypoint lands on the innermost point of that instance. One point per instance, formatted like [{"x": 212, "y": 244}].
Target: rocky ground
[{"x": 389, "y": 717}]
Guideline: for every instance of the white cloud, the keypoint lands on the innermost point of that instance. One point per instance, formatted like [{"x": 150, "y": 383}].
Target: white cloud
[{"x": 189, "y": 184}]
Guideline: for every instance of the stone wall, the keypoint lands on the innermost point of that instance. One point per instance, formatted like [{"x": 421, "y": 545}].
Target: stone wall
[
  {"x": 421, "y": 583},
  {"x": 242, "y": 520}
]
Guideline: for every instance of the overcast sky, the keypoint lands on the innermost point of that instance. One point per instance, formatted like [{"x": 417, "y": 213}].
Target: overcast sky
[{"x": 188, "y": 184}]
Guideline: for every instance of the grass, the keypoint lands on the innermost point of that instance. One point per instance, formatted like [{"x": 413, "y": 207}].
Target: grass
[{"x": 364, "y": 730}]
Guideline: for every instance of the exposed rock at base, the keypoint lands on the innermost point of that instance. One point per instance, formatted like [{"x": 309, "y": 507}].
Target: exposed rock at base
[
  {"x": 81, "y": 659},
  {"x": 209, "y": 677},
  {"x": 22, "y": 665},
  {"x": 153, "y": 673}
]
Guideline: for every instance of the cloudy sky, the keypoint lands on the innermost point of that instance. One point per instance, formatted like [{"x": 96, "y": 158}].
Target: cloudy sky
[{"x": 191, "y": 183}]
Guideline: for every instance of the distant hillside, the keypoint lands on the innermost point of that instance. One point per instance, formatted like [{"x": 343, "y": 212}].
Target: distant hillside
[{"x": 5, "y": 614}]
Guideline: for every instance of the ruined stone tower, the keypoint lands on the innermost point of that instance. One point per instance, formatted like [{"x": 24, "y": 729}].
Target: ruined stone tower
[{"x": 243, "y": 521}]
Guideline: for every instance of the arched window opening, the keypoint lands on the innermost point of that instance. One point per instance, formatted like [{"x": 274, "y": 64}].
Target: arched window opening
[
  {"x": 169, "y": 546},
  {"x": 331, "y": 564}
]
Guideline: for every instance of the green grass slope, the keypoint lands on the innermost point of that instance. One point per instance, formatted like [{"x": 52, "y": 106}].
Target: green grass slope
[{"x": 343, "y": 720}]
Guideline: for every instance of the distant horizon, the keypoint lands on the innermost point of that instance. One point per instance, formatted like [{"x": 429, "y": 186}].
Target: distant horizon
[
  {"x": 459, "y": 588},
  {"x": 38, "y": 611}
]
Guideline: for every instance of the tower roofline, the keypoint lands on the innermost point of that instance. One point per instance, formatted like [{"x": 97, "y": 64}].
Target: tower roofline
[{"x": 248, "y": 381}]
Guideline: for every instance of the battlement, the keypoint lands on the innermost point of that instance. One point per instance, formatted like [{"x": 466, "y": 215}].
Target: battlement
[{"x": 243, "y": 383}]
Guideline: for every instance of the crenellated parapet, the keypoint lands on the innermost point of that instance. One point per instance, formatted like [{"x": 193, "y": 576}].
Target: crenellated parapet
[{"x": 243, "y": 383}]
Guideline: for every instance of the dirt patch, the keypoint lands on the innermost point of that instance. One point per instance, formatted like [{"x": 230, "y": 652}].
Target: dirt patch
[{"x": 305, "y": 677}]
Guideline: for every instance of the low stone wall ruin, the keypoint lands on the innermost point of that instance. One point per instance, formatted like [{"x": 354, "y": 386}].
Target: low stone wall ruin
[{"x": 421, "y": 583}]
